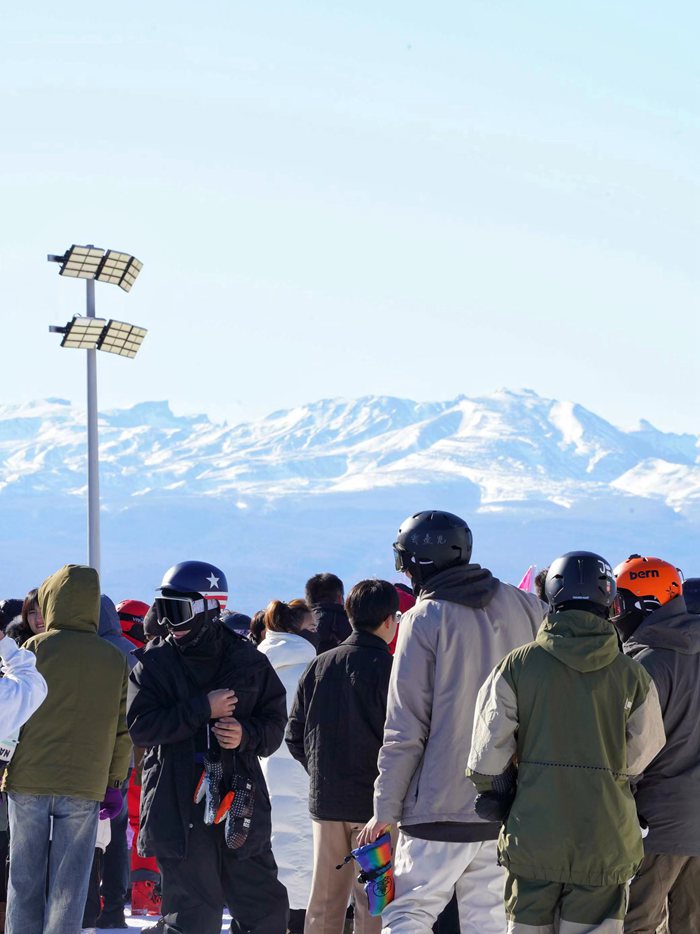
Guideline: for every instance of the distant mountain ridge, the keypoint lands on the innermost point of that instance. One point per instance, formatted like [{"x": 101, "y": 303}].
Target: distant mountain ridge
[
  {"x": 512, "y": 445},
  {"x": 515, "y": 456}
]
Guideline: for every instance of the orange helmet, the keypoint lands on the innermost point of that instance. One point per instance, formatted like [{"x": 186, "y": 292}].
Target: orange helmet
[{"x": 648, "y": 583}]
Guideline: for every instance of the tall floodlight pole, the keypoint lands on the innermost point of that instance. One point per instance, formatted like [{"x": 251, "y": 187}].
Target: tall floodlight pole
[
  {"x": 92, "y": 334},
  {"x": 93, "y": 456}
]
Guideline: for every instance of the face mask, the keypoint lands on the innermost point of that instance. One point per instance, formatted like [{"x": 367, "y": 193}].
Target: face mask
[
  {"x": 195, "y": 630},
  {"x": 183, "y": 614}
]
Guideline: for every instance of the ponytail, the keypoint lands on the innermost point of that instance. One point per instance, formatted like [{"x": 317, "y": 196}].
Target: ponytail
[{"x": 285, "y": 617}]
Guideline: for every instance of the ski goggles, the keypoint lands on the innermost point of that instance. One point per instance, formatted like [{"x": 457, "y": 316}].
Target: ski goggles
[
  {"x": 626, "y": 602},
  {"x": 402, "y": 559},
  {"x": 176, "y": 612}
]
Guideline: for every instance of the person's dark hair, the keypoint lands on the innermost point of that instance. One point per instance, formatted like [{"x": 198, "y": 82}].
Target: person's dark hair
[
  {"x": 324, "y": 588},
  {"x": 285, "y": 617},
  {"x": 370, "y": 602},
  {"x": 9, "y": 610},
  {"x": 540, "y": 579},
  {"x": 257, "y": 627},
  {"x": 30, "y": 601}
]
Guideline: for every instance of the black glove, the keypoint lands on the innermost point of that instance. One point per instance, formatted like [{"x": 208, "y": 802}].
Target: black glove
[{"x": 493, "y": 806}]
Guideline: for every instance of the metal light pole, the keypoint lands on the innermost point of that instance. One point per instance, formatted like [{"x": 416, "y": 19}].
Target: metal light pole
[
  {"x": 92, "y": 334},
  {"x": 93, "y": 455}
]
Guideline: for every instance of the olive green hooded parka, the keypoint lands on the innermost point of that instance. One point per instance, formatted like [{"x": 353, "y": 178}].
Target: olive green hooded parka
[
  {"x": 579, "y": 719},
  {"x": 77, "y": 743}
]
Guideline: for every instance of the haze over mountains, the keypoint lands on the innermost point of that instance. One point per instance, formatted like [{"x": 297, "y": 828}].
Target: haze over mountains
[{"x": 324, "y": 487}]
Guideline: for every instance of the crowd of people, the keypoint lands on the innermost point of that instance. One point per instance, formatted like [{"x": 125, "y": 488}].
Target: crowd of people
[{"x": 494, "y": 760}]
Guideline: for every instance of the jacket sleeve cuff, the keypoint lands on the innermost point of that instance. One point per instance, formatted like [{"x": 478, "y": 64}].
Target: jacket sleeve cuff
[
  {"x": 8, "y": 648},
  {"x": 245, "y": 735},
  {"x": 202, "y": 708},
  {"x": 383, "y": 816}
]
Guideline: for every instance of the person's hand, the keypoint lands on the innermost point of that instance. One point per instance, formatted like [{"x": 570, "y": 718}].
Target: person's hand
[
  {"x": 112, "y": 804},
  {"x": 229, "y": 732},
  {"x": 372, "y": 830},
  {"x": 222, "y": 703},
  {"x": 2, "y": 635}
]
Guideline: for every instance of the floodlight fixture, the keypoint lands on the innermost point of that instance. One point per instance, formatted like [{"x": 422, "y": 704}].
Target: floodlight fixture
[
  {"x": 89, "y": 262},
  {"x": 121, "y": 338},
  {"x": 119, "y": 268},
  {"x": 83, "y": 333},
  {"x": 81, "y": 262}
]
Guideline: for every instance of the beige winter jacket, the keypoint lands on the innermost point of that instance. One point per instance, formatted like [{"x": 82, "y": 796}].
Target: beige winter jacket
[{"x": 464, "y": 623}]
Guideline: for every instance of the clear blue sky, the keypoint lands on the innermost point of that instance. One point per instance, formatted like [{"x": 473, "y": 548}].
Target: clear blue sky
[{"x": 419, "y": 199}]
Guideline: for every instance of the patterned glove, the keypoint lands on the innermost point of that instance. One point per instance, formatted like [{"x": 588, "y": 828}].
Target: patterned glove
[
  {"x": 239, "y": 814},
  {"x": 208, "y": 787}
]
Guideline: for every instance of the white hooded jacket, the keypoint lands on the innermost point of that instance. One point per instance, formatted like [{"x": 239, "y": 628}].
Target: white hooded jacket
[{"x": 287, "y": 782}]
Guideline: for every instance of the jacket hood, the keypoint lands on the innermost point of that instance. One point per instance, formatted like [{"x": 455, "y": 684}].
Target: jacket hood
[
  {"x": 580, "y": 640},
  {"x": 109, "y": 618},
  {"x": 669, "y": 627},
  {"x": 285, "y": 649},
  {"x": 70, "y": 599},
  {"x": 468, "y": 584},
  {"x": 110, "y": 629}
]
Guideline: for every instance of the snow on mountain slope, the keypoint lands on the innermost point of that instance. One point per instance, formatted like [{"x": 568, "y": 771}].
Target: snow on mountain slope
[
  {"x": 355, "y": 466},
  {"x": 513, "y": 446}
]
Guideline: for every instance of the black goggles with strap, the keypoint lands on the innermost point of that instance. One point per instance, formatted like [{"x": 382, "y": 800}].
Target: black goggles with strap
[{"x": 176, "y": 612}]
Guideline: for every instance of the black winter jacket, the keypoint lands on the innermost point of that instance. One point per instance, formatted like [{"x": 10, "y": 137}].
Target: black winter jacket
[
  {"x": 667, "y": 644},
  {"x": 336, "y": 726},
  {"x": 165, "y": 713},
  {"x": 332, "y": 625}
]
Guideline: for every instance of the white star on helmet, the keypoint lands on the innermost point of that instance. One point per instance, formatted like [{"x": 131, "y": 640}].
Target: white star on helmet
[{"x": 213, "y": 581}]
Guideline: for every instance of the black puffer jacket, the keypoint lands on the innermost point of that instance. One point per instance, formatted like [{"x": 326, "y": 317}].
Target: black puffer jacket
[
  {"x": 336, "y": 726},
  {"x": 667, "y": 644},
  {"x": 167, "y": 712},
  {"x": 332, "y": 625}
]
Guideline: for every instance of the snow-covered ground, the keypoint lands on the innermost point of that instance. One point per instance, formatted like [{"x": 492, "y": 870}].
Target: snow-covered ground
[{"x": 138, "y": 924}]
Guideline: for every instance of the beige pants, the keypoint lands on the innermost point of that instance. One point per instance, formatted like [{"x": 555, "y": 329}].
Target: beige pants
[{"x": 331, "y": 887}]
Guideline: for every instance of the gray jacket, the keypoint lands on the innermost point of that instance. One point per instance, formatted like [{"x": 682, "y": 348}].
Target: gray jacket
[
  {"x": 667, "y": 644},
  {"x": 464, "y": 623}
]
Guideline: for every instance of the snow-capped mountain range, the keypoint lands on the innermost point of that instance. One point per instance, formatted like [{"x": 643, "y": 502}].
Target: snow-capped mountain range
[{"x": 324, "y": 487}]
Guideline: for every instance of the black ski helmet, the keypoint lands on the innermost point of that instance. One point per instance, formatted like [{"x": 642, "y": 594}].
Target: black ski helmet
[
  {"x": 429, "y": 541},
  {"x": 580, "y": 575},
  {"x": 196, "y": 577}
]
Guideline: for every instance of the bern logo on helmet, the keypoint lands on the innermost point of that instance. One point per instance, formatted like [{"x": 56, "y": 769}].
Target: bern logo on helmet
[
  {"x": 639, "y": 575},
  {"x": 213, "y": 580}
]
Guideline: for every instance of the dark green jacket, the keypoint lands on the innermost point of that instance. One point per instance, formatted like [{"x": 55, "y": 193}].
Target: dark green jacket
[
  {"x": 579, "y": 718},
  {"x": 77, "y": 743}
]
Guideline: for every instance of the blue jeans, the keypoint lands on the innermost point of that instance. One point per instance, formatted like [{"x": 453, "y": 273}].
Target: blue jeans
[{"x": 52, "y": 842}]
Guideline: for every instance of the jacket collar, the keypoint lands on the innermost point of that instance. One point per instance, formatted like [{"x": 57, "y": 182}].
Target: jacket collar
[
  {"x": 366, "y": 639},
  {"x": 468, "y": 584},
  {"x": 669, "y": 627}
]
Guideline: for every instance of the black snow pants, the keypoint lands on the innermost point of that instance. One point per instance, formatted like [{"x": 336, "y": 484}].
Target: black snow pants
[{"x": 196, "y": 889}]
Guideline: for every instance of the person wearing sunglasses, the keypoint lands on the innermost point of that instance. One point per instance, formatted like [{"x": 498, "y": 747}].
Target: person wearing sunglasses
[{"x": 206, "y": 705}]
